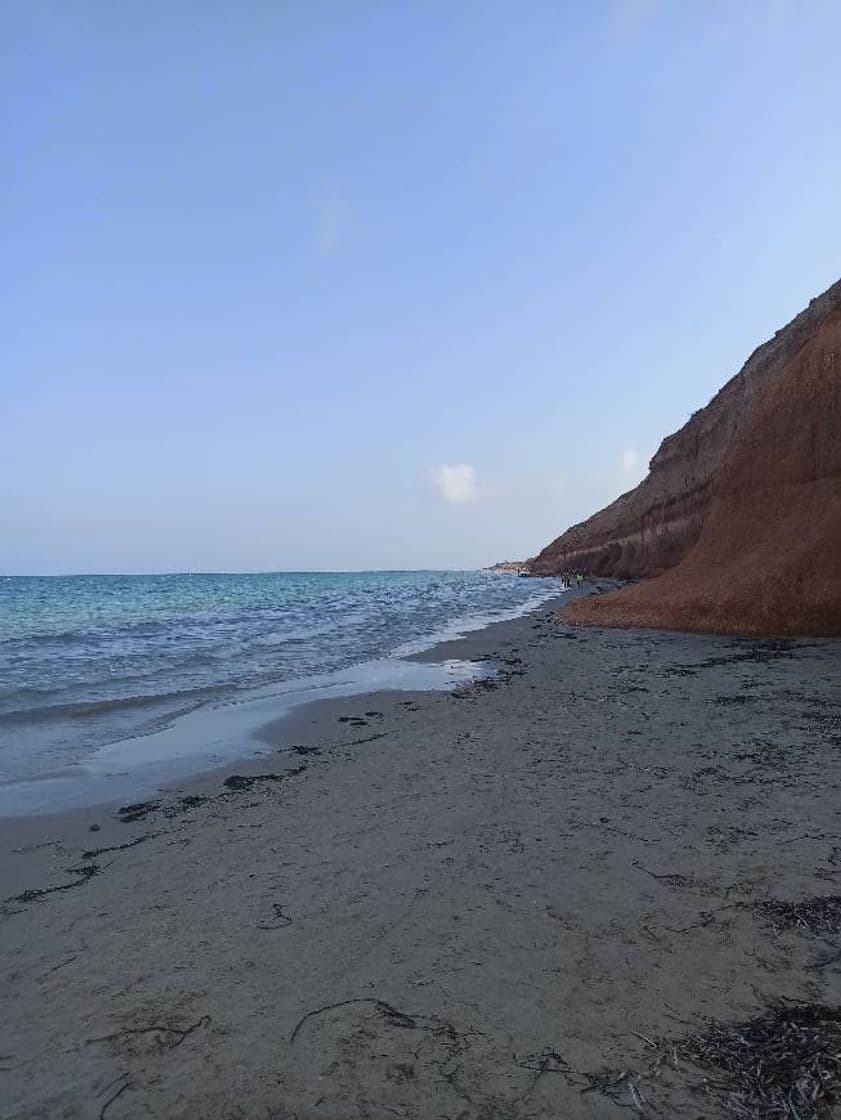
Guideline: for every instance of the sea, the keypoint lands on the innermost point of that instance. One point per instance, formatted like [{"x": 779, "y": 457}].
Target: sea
[{"x": 108, "y": 679}]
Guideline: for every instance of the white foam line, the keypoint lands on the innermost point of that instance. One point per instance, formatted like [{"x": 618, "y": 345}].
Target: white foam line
[{"x": 470, "y": 623}]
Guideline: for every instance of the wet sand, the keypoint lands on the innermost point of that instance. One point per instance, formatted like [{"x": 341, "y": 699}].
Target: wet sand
[{"x": 500, "y": 902}]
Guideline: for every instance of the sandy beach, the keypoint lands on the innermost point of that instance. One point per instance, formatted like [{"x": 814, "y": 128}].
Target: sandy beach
[{"x": 522, "y": 899}]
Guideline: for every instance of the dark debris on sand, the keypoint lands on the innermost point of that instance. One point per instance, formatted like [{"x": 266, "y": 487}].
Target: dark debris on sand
[
  {"x": 818, "y": 915},
  {"x": 83, "y": 873},
  {"x": 140, "y": 810},
  {"x": 489, "y": 684},
  {"x": 760, "y": 653},
  {"x": 239, "y": 782},
  {"x": 783, "y": 1065}
]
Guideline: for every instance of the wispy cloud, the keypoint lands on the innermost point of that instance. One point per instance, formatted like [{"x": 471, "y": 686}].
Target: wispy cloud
[
  {"x": 455, "y": 483},
  {"x": 630, "y": 460},
  {"x": 331, "y": 213},
  {"x": 633, "y": 467}
]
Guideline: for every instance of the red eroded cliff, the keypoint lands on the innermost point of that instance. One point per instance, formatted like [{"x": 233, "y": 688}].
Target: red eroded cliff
[{"x": 739, "y": 519}]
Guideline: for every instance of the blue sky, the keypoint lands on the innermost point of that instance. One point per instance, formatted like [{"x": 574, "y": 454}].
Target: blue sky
[{"x": 367, "y": 284}]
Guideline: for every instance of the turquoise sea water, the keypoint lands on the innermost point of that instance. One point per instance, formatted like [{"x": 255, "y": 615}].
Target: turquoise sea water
[{"x": 90, "y": 660}]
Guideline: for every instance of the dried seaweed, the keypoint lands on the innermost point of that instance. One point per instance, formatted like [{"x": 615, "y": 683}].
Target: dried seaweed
[
  {"x": 761, "y": 653},
  {"x": 140, "y": 810},
  {"x": 84, "y": 872},
  {"x": 239, "y": 782},
  {"x": 92, "y": 853},
  {"x": 168, "y": 1037},
  {"x": 393, "y": 1016},
  {"x": 818, "y": 915},
  {"x": 615, "y": 1086},
  {"x": 783, "y": 1065},
  {"x": 119, "y": 1092}
]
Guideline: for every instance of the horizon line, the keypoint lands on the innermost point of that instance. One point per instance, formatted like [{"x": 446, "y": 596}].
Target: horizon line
[{"x": 235, "y": 572}]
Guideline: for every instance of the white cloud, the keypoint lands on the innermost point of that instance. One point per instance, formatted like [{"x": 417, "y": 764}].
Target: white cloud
[
  {"x": 633, "y": 467},
  {"x": 455, "y": 483},
  {"x": 630, "y": 460}
]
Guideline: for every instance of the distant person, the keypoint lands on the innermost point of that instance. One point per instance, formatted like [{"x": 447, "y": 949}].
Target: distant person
[{"x": 579, "y": 579}]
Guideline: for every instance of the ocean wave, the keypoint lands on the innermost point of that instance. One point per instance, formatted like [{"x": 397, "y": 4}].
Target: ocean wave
[
  {"x": 85, "y": 665},
  {"x": 88, "y": 709}
]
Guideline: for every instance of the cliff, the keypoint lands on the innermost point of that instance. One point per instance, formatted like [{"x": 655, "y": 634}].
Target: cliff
[{"x": 739, "y": 519}]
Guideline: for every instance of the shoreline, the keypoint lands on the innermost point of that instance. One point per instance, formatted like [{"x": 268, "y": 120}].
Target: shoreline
[
  {"x": 468, "y": 904},
  {"x": 217, "y": 734},
  {"x": 272, "y": 740}
]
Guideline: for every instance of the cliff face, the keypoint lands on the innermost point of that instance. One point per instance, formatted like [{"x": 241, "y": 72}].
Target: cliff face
[{"x": 740, "y": 516}]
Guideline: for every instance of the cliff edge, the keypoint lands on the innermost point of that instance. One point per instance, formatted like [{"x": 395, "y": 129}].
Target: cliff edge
[{"x": 737, "y": 528}]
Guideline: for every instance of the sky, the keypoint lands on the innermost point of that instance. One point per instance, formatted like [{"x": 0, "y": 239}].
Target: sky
[{"x": 312, "y": 285}]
